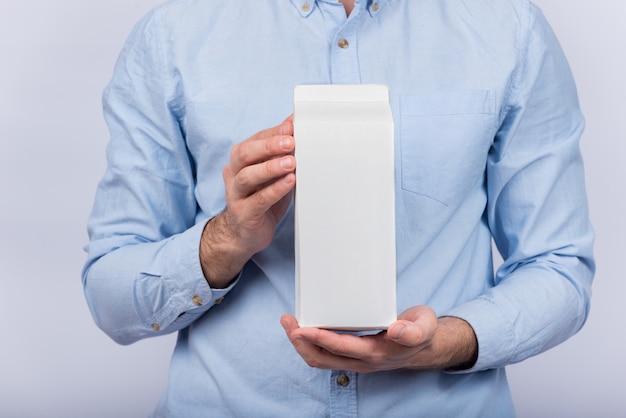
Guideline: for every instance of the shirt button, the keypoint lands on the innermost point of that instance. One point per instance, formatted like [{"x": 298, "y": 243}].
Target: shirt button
[
  {"x": 306, "y": 7},
  {"x": 375, "y": 7},
  {"x": 218, "y": 301},
  {"x": 343, "y": 43},
  {"x": 156, "y": 327},
  {"x": 197, "y": 300},
  {"x": 343, "y": 380}
]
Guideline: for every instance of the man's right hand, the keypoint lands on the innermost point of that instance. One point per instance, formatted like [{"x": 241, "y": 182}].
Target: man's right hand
[{"x": 259, "y": 181}]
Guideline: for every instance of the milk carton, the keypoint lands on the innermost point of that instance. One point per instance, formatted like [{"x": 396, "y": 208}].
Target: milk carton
[{"x": 344, "y": 207}]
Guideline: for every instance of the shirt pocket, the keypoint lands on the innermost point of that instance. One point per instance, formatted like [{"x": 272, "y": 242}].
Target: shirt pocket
[{"x": 445, "y": 138}]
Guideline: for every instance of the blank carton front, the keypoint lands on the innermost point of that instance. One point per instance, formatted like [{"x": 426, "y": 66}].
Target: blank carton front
[{"x": 344, "y": 207}]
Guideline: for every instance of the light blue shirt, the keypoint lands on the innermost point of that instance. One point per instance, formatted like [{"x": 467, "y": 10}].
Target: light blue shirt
[{"x": 487, "y": 145}]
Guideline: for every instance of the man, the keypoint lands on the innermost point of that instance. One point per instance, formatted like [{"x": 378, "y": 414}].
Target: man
[{"x": 192, "y": 229}]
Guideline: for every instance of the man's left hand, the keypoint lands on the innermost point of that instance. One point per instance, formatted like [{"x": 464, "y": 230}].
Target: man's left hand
[{"x": 417, "y": 340}]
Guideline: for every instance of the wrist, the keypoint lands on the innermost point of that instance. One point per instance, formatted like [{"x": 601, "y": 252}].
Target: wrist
[
  {"x": 222, "y": 256},
  {"x": 458, "y": 343}
]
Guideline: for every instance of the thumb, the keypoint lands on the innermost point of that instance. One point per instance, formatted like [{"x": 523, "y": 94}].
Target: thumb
[{"x": 414, "y": 326}]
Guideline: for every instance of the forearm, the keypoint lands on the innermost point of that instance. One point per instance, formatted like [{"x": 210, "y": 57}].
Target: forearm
[{"x": 534, "y": 309}]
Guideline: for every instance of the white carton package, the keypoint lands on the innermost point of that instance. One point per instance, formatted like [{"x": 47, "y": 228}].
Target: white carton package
[{"x": 344, "y": 207}]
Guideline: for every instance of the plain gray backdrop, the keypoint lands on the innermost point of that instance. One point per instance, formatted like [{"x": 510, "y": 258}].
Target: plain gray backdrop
[{"x": 55, "y": 58}]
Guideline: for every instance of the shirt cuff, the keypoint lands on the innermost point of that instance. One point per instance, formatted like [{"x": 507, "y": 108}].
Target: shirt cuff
[{"x": 190, "y": 294}]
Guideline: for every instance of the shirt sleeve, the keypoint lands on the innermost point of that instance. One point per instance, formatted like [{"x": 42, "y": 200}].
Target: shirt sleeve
[
  {"x": 537, "y": 212},
  {"x": 143, "y": 276}
]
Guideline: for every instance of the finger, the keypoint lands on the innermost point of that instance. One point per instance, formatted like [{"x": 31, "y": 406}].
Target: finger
[
  {"x": 320, "y": 358},
  {"x": 254, "y": 177},
  {"x": 264, "y": 199},
  {"x": 253, "y": 151},
  {"x": 289, "y": 324},
  {"x": 343, "y": 345},
  {"x": 266, "y": 144},
  {"x": 305, "y": 342},
  {"x": 286, "y": 127},
  {"x": 414, "y": 327}
]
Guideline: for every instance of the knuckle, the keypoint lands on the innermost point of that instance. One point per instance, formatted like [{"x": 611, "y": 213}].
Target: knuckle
[
  {"x": 269, "y": 146},
  {"x": 260, "y": 198},
  {"x": 226, "y": 172},
  {"x": 234, "y": 151},
  {"x": 242, "y": 178},
  {"x": 338, "y": 349},
  {"x": 275, "y": 188},
  {"x": 313, "y": 362},
  {"x": 268, "y": 169},
  {"x": 239, "y": 153}
]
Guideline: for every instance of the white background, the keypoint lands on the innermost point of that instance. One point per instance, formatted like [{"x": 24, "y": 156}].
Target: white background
[{"x": 55, "y": 58}]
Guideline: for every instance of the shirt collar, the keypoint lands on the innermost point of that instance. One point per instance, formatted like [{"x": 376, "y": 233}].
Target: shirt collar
[{"x": 305, "y": 7}]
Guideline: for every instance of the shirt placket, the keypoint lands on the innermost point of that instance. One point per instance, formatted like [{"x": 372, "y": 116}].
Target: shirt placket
[
  {"x": 343, "y": 394},
  {"x": 342, "y": 33},
  {"x": 344, "y": 60}
]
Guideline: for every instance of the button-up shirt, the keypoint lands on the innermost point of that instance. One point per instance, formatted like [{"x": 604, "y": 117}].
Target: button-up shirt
[{"x": 487, "y": 129}]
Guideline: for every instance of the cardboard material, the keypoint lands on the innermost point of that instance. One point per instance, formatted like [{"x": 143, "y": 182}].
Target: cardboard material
[{"x": 344, "y": 207}]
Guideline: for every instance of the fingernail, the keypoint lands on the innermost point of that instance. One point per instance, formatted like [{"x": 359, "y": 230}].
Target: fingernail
[
  {"x": 286, "y": 163},
  {"x": 286, "y": 143},
  {"x": 398, "y": 331},
  {"x": 289, "y": 178}
]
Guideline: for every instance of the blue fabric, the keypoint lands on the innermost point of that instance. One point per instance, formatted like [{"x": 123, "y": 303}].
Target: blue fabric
[{"x": 487, "y": 145}]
